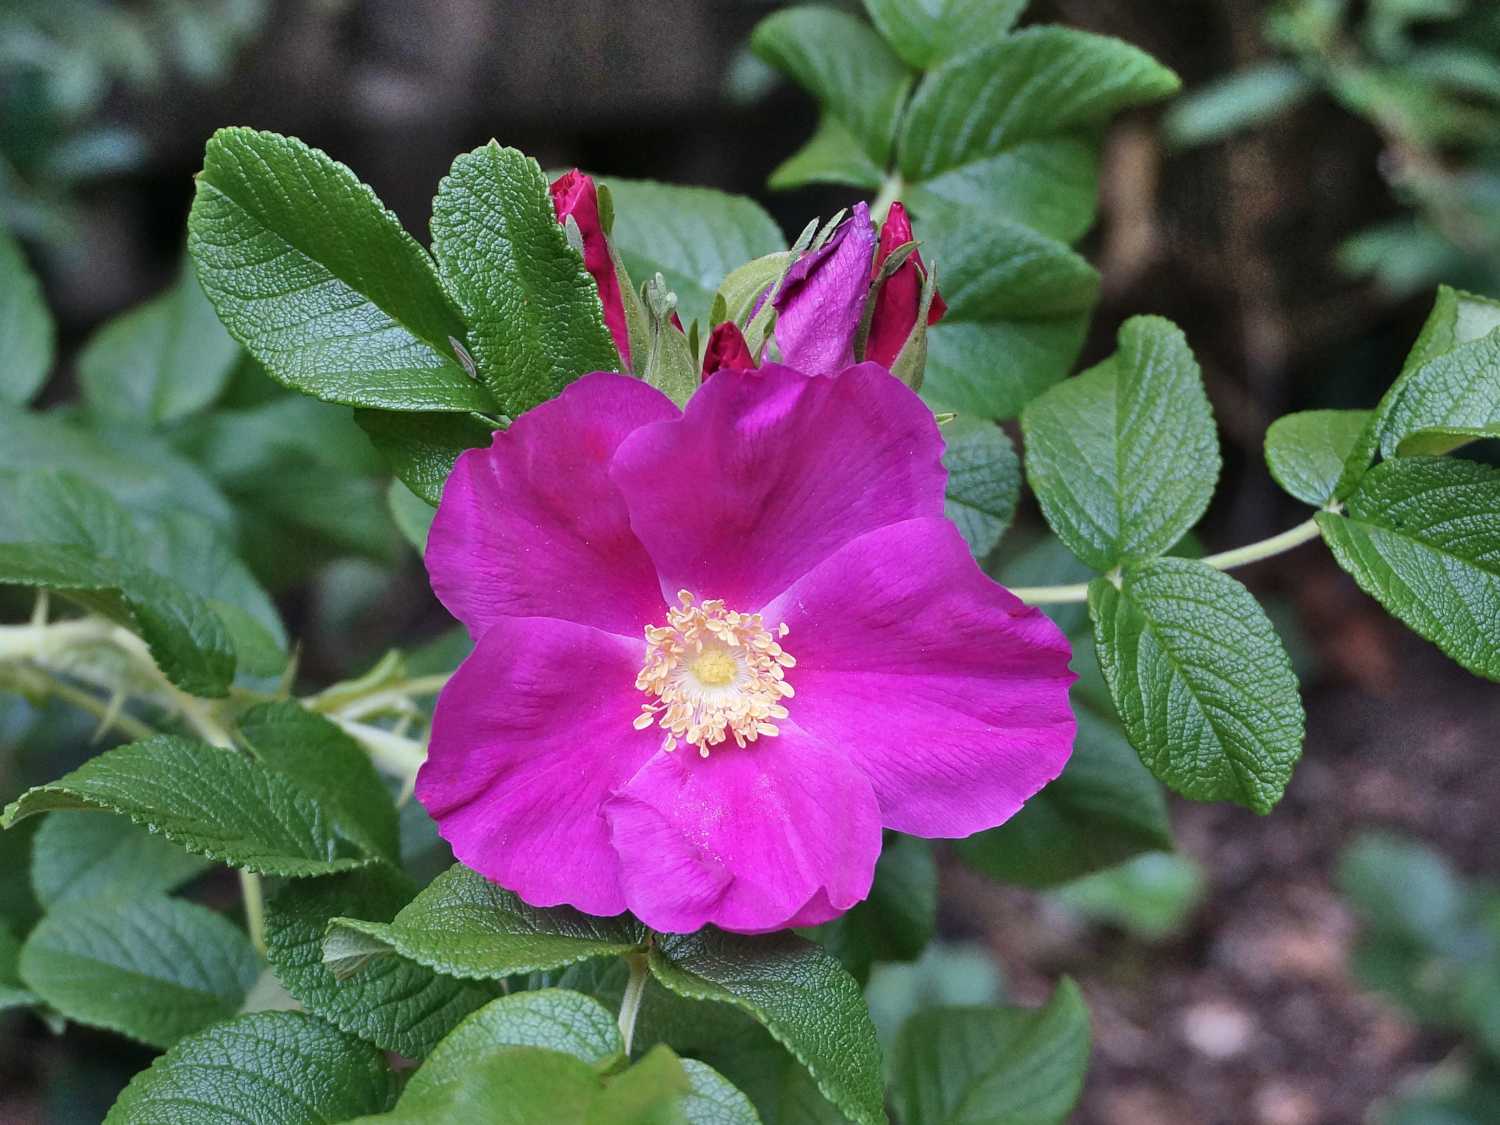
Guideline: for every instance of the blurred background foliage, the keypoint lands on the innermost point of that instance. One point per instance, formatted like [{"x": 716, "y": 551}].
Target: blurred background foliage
[{"x": 1331, "y": 161}]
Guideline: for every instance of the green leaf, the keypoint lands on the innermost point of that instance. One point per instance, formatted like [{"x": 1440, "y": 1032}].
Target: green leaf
[
  {"x": 214, "y": 802},
  {"x": 713, "y": 1100},
  {"x": 993, "y": 269},
  {"x": 154, "y": 969},
  {"x": 984, "y": 482},
  {"x": 27, "y": 334},
  {"x": 964, "y": 375},
  {"x": 318, "y": 281},
  {"x": 13, "y": 994},
  {"x": 860, "y": 82},
  {"x": 1123, "y": 458},
  {"x": 1037, "y": 82},
  {"x": 421, "y": 448},
  {"x": 932, "y": 31},
  {"x": 1050, "y": 184},
  {"x": 1402, "y": 888},
  {"x": 897, "y": 920},
  {"x": 83, "y": 855},
  {"x": 1201, "y": 682},
  {"x": 649, "y": 1093},
  {"x": 799, "y": 993},
  {"x": 1150, "y": 896},
  {"x": 692, "y": 236},
  {"x": 832, "y": 156},
  {"x": 1308, "y": 453},
  {"x": 61, "y": 533},
  {"x": 1460, "y": 388},
  {"x": 1421, "y": 535},
  {"x": 1456, "y": 318},
  {"x": 139, "y": 470},
  {"x": 160, "y": 362},
  {"x": 394, "y": 1003},
  {"x": 996, "y": 1066},
  {"x": 466, "y": 926},
  {"x": 1237, "y": 101},
  {"x": 551, "y": 1019},
  {"x": 1434, "y": 441},
  {"x": 327, "y": 765},
  {"x": 272, "y": 1068},
  {"x": 1105, "y": 808},
  {"x": 535, "y": 321}
]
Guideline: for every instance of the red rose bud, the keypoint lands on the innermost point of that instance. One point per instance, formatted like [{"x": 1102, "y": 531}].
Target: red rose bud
[
  {"x": 574, "y": 195},
  {"x": 900, "y": 297},
  {"x": 726, "y": 348}
]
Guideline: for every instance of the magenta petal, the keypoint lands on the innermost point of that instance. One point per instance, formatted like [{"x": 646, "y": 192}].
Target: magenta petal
[
  {"x": 769, "y": 472},
  {"x": 785, "y": 831},
  {"x": 822, "y": 299},
  {"x": 534, "y": 527},
  {"x": 529, "y": 738},
  {"x": 948, "y": 692}
]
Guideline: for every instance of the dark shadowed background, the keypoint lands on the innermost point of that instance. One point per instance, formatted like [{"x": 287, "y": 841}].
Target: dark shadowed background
[{"x": 1247, "y": 1011}]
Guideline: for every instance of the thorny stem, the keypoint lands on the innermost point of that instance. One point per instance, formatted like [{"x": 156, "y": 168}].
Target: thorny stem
[
  {"x": 1224, "y": 560},
  {"x": 630, "y": 1003}
]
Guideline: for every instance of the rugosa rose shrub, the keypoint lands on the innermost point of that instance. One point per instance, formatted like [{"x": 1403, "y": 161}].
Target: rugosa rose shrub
[
  {"x": 724, "y": 517},
  {"x": 819, "y": 654}
]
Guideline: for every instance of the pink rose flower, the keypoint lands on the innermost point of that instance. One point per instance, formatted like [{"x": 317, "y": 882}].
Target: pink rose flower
[
  {"x": 719, "y": 650},
  {"x": 574, "y": 196},
  {"x": 900, "y": 297}
]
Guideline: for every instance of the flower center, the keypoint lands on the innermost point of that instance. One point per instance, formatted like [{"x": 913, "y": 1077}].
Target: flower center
[{"x": 715, "y": 674}]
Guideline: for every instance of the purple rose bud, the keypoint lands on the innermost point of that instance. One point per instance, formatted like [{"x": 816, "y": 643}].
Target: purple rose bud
[
  {"x": 727, "y": 349},
  {"x": 899, "y": 301},
  {"x": 574, "y": 196},
  {"x": 822, "y": 299}
]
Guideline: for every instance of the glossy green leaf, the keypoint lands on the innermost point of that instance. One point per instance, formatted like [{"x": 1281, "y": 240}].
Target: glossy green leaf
[
  {"x": 154, "y": 969},
  {"x": 392, "y": 1002},
  {"x": 1123, "y": 458},
  {"x": 58, "y": 532},
  {"x": 1201, "y": 682},
  {"x": 993, "y": 1066},
  {"x": 926, "y": 32},
  {"x": 861, "y": 83},
  {"x": 899, "y": 917},
  {"x": 713, "y": 1100},
  {"x": 1308, "y": 453},
  {"x": 1237, "y": 101},
  {"x": 27, "y": 334},
  {"x": 799, "y": 993},
  {"x": 466, "y": 926},
  {"x": 1456, "y": 318},
  {"x": 272, "y": 1068},
  {"x": 1050, "y": 184},
  {"x": 1460, "y": 388},
  {"x": 535, "y": 321},
  {"x": 318, "y": 281},
  {"x": 1105, "y": 808},
  {"x": 86, "y": 855},
  {"x": 1421, "y": 535},
  {"x": 421, "y": 448},
  {"x": 832, "y": 156},
  {"x": 214, "y": 802},
  {"x": 984, "y": 482},
  {"x": 161, "y": 361},
  {"x": 993, "y": 269},
  {"x": 1434, "y": 441},
  {"x": 692, "y": 236},
  {"x": 330, "y": 767},
  {"x": 1037, "y": 82},
  {"x": 552, "y": 1019}
]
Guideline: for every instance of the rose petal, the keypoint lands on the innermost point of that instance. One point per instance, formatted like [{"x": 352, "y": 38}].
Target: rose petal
[
  {"x": 769, "y": 472},
  {"x": 948, "y": 692},
  {"x": 785, "y": 831},
  {"x": 529, "y": 738},
  {"x": 534, "y": 527}
]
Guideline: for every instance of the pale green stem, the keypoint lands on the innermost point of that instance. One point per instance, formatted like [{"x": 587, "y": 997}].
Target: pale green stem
[
  {"x": 891, "y": 189},
  {"x": 255, "y": 908},
  {"x": 396, "y": 697},
  {"x": 630, "y": 1003},
  {"x": 109, "y": 715},
  {"x": 391, "y": 752},
  {"x": 1224, "y": 560}
]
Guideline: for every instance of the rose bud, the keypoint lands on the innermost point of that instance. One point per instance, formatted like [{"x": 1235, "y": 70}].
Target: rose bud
[
  {"x": 574, "y": 196},
  {"x": 726, "y": 348},
  {"x": 899, "y": 300},
  {"x": 822, "y": 299}
]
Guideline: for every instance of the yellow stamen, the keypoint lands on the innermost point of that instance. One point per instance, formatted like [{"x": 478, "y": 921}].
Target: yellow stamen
[{"x": 716, "y": 675}]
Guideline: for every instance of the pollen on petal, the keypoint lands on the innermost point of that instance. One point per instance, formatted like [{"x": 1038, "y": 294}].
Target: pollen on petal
[{"x": 715, "y": 674}]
